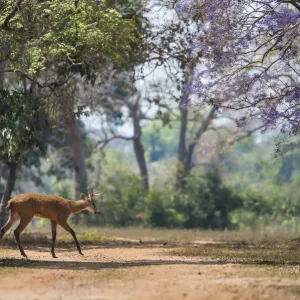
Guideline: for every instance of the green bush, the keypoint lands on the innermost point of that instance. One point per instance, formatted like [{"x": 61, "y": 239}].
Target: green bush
[
  {"x": 122, "y": 201},
  {"x": 260, "y": 211},
  {"x": 160, "y": 207},
  {"x": 207, "y": 203}
]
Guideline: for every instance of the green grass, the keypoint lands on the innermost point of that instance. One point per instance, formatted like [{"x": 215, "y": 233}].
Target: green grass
[
  {"x": 136, "y": 234},
  {"x": 85, "y": 237},
  {"x": 273, "y": 234},
  {"x": 44, "y": 238}
]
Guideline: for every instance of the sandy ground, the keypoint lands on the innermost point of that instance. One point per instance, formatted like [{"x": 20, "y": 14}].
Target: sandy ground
[{"x": 132, "y": 273}]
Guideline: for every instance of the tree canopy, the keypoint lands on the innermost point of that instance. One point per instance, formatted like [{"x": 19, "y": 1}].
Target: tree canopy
[
  {"x": 248, "y": 53},
  {"x": 64, "y": 37}
]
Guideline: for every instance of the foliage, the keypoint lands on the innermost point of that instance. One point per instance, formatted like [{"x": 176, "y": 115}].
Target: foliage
[
  {"x": 21, "y": 122},
  {"x": 237, "y": 45},
  {"x": 250, "y": 190},
  {"x": 63, "y": 188},
  {"x": 159, "y": 142},
  {"x": 161, "y": 210},
  {"x": 75, "y": 36},
  {"x": 123, "y": 198},
  {"x": 206, "y": 203},
  {"x": 248, "y": 51},
  {"x": 268, "y": 186}
]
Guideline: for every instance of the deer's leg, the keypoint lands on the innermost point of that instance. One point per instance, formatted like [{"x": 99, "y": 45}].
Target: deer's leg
[
  {"x": 53, "y": 227},
  {"x": 14, "y": 217},
  {"x": 23, "y": 223},
  {"x": 66, "y": 226}
]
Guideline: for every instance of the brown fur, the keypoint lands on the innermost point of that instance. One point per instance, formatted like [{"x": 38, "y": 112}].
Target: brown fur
[{"x": 24, "y": 207}]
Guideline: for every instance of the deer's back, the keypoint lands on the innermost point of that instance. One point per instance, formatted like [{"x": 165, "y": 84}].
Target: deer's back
[{"x": 43, "y": 206}]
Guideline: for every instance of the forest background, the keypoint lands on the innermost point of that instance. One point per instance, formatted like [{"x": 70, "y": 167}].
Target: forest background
[{"x": 94, "y": 93}]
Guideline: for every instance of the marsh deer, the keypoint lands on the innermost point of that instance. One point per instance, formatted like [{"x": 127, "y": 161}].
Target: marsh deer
[{"x": 24, "y": 207}]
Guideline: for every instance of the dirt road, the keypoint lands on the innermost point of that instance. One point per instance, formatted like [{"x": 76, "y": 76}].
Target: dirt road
[{"x": 132, "y": 273}]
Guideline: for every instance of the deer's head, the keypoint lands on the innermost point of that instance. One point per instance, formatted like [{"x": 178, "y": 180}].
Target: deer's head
[{"x": 91, "y": 205}]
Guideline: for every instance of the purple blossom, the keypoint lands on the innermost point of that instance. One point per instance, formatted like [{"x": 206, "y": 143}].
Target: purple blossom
[{"x": 249, "y": 58}]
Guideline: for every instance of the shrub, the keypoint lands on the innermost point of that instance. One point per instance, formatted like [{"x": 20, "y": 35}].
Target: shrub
[
  {"x": 123, "y": 199},
  {"x": 160, "y": 207},
  {"x": 207, "y": 203}
]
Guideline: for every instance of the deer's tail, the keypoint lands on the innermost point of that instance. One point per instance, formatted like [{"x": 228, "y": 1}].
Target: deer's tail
[{"x": 8, "y": 205}]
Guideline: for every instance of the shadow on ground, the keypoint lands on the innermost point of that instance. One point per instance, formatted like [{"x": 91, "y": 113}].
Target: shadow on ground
[
  {"x": 37, "y": 240},
  {"x": 94, "y": 265},
  {"x": 239, "y": 253}
]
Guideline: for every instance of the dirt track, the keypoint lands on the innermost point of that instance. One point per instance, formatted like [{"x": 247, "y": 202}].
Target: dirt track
[{"x": 132, "y": 273}]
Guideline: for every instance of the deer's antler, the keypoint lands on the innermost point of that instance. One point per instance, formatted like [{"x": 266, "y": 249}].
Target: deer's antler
[{"x": 91, "y": 191}]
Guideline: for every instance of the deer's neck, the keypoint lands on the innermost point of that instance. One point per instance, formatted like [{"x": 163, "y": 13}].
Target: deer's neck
[{"x": 77, "y": 206}]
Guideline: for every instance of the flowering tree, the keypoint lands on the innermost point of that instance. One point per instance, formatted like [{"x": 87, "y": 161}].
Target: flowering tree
[{"x": 248, "y": 58}]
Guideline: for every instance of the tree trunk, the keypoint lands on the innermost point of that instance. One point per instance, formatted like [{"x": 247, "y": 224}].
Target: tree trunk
[
  {"x": 182, "y": 134},
  {"x": 2, "y": 188},
  {"x": 189, "y": 155},
  {"x": 182, "y": 151},
  {"x": 185, "y": 153},
  {"x": 78, "y": 154},
  {"x": 7, "y": 192},
  {"x": 2, "y": 69},
  {"x": 181, "y": 148},
  {"x": 137, "y": 144}
]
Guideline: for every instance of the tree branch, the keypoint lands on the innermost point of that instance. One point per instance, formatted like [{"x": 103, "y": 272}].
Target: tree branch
[
  {"x": 11, "y": 15},
  {"x": 104, "y": 142}
]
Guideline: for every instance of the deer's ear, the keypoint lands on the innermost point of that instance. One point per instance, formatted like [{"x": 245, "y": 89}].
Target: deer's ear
[{"x": 83, "y": 196}]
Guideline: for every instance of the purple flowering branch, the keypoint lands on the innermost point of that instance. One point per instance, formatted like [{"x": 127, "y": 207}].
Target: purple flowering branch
[{"x": 248, "y": 58}]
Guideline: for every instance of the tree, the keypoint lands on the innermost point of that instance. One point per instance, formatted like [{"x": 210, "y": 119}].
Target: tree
[
  {"x": 248, "y": 52},
  {"x": 21, "y": 125},
  {"x": 50, "y": 44},
  {"x": 171, "y": 44},
  {"x": 78, "y": 153},
  {"x": 116, "y": 94}
]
